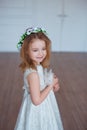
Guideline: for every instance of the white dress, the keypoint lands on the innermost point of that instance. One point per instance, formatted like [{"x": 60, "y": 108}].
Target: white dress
[{"x": 45, "y": 116}]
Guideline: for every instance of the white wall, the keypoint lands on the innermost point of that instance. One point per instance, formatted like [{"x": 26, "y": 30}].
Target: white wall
[{"x": 64, "y": 20}]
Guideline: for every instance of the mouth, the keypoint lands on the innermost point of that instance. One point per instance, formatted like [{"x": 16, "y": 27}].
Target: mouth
[{"x": 40, "y": 57}]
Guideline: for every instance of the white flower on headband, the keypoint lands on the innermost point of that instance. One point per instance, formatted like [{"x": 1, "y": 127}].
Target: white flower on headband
[{"x": 28, "y": 32}]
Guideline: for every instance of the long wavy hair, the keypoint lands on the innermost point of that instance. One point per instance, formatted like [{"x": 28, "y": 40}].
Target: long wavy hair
[{"x": 26, "y": 60}]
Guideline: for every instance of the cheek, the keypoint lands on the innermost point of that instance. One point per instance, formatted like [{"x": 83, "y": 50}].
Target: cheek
[
  {"x": 34, "y": 55},
  {"x": 45, "y": 53}
]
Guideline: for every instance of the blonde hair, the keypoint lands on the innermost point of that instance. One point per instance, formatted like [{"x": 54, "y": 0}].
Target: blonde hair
[{"x": 26, "y": 61}]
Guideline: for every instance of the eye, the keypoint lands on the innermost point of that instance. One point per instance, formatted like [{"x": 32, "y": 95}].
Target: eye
[
  {"x": 35, "y": 50},
  {"x": 44, "y": 48}
]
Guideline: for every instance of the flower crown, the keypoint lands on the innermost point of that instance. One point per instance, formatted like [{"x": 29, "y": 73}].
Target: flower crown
[{"x": 28, "y": 32}]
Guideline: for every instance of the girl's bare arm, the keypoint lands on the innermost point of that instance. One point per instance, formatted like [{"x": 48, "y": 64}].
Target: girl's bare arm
[{"x": 37, "y": 96}]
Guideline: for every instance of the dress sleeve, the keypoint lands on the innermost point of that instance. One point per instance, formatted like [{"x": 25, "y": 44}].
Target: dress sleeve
[{"x": 28, "y": 71}]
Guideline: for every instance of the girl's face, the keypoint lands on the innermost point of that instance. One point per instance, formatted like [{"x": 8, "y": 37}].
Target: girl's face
[{"x": 37, "y": 51}]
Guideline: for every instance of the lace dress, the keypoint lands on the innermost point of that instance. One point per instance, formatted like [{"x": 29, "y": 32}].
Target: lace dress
[{"x": 45, "y": 116}]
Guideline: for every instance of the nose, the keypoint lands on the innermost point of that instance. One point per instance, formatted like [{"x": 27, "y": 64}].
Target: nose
[{"x": 40, "y": 53}]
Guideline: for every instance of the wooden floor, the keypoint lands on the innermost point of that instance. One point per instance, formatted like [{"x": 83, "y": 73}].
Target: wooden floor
[{"x": 71, "y": 68}]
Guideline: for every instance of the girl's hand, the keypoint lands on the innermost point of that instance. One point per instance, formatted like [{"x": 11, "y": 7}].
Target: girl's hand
[
  {"x": 55, "y": 81},
  {"x": 56, "y": 86}
]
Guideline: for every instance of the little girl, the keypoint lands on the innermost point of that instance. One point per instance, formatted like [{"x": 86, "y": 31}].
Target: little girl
[{"x": 39, "y": 109}]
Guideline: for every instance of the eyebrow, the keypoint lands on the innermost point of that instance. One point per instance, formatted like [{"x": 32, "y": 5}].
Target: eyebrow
[
  {"x": 34, "y": 48},
  {"x": 37, "y": 48}
]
